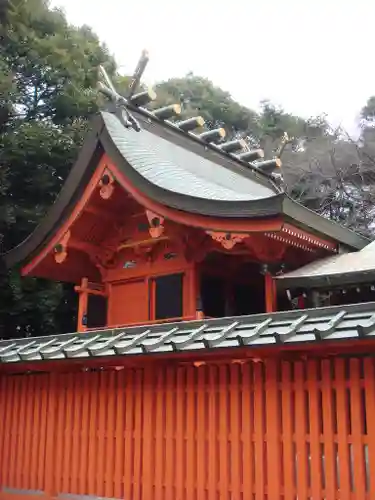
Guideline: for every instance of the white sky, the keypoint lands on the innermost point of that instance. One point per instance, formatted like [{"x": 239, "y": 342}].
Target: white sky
[{"x": 310, "y": 56}]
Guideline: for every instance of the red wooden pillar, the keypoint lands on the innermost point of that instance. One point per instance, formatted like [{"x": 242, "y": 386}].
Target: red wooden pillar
[
  {"x": 269, "y": 289},
  {"x": 82, "y": 305}
]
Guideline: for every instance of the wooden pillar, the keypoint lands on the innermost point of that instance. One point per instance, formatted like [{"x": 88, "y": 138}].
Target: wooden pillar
[
  {"x": 269, "y": 289},
  {"x": 82, "y": 305},
  {"x": 197, "y": 293}
]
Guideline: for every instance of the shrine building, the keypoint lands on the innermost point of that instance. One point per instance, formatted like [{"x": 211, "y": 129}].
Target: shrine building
[
  {"x": 165, "y": 224},
  {"x": 190, "y": 375}
]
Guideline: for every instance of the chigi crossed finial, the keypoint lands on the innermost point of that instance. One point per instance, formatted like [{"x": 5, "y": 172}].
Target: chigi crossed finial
[
  {"x": 106, "y": 87},
  {"x": 133, "y": 99},
  {"x": 120, "y": 102}
]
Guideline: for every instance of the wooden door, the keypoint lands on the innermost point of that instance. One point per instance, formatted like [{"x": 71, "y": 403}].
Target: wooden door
[{"x": 128, "y": 303}]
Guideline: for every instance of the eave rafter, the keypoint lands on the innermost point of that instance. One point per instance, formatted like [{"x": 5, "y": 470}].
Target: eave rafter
[{"x": 300, "y": 239}]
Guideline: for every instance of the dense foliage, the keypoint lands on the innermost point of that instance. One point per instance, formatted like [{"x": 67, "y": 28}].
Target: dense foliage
[{"x": 48, "y": 71}]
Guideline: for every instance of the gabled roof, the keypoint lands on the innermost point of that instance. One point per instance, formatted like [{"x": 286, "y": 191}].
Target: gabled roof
[
  {"x": 349, "y": 268},
  {"x": 180, "y": 171},
  {"x": 261, "y": 330}
]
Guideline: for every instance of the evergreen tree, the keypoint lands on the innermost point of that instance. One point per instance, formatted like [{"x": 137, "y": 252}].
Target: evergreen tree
[{"x": 48, "y": 70}]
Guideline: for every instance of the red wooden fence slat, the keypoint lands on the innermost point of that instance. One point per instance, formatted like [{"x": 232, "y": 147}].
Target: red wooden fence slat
[
  {"x": 259, "y": 431},
  {"x": 148, "y": 443},
  {"x": 212, "y": 418},
  {"x": 287, "y": 432},
  {"x": 129, "y": 394},
  {"x": 8, "y": 433},
  {"x": 328, "y": 433},
  {"x": 342, "y": 431},
  {"x": 159, "y": 434},
  {"x": 51, "y": 413},
  {"x": 223, "y": 428},
  {"x": 21, "y": 440},
  {"x": 36, "y": 431},
  {"x": 110, "y": 431},
  {"x": 247, "y": 433},
  {"x": 14, "y": 456},
  {"x": 169, "y": 477},
  {"x": 201, "y": 430},
  {"x": 191, "y": 434},
  {"x": 138, "y": 409},
  {"x": 84, "y": 428},
  {"x": 4, "y": 403},
  {"x": 75, "y": 436},
  {"x": 369, "y": 385},
  {"x": 180, "y": 432},
  {"x": 101, "y": 432},
  {"x": 273, "y": 414},
  {"x": 234, "y": 432},
  {"x": 119, "y": 436},
  {"x": 357, "y": 429},
  {"x": 93, "y": 450},
  {"x": 315, "y": 429},
  {"x": 301, "y": 432},
  {"x": 60, "y": 430},
  {"x": 27, "y": 424}
]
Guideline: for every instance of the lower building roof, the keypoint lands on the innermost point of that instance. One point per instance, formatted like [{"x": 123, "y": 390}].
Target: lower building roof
[
  {"x": 262, "y": 330},
  {"x": 348, "y": 268}
]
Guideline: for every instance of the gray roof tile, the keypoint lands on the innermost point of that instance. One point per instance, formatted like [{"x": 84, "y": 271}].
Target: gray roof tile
[
  {"x": 179, "y": 170},
  {"x": 291, "y": 327},
  {"x": 333, "y": 268}
]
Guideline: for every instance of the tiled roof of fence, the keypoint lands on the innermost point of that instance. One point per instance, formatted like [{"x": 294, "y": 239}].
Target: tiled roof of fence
[{"x": 291, "y": 327}]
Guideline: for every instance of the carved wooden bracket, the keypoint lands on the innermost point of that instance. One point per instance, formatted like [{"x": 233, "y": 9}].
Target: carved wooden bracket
[
  {"x": 156, "y": 224},
  {"x": 61, "y": 249},
  {"x": 106, "y": 184},
  {"x": 105, "y": 258},
  {"x": 227, "y": 240},
  {"x": 266, "y": 250}
]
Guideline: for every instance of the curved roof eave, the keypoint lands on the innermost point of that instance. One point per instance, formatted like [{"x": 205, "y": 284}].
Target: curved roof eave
[
  {"x": 176, "y": 171},
  {"x": 72, "y": 189},
  {"x": 307, "y": 219},
  {"x": 154, "y": 171},
  {"x": 98, "y": 142}
]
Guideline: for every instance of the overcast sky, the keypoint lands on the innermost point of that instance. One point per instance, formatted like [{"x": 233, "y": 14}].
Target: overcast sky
[{"x": 310, "y": 56}]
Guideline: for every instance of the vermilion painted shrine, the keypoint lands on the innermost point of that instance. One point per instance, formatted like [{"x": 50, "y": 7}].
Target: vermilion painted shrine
[{"x": 202, "y": 366}]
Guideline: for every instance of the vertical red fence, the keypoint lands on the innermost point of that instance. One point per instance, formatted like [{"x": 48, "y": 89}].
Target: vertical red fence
[{"x": 273, "y": 430}]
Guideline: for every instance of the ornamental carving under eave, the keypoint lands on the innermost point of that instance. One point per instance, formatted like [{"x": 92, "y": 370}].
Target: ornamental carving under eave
[
  {"x": 156, "y": 227},
  {"x": 61, "y": 249},
  {"x": 227, "y": 240},
  {"x": 106, "y": 185}
]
